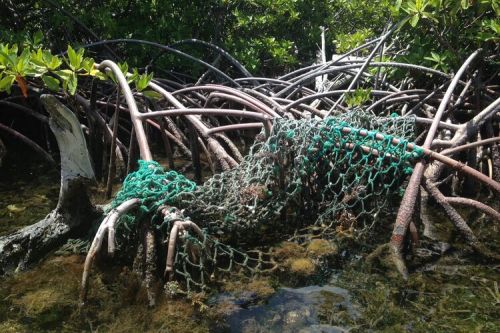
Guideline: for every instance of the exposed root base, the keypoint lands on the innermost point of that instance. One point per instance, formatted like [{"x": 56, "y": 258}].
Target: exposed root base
[
  {"x": 388, "y": 256},
  {"x": 28, "y": 245}
]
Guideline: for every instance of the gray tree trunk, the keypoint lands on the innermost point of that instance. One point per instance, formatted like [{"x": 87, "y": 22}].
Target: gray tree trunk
[{"x": 74, "y": 212}]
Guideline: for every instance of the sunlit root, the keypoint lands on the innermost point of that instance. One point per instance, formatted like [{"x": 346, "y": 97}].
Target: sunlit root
[
  {"x": 107, "y": 227},
  {"x": 407, "y": 206}
]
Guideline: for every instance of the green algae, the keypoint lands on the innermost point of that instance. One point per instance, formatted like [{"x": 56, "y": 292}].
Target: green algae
[
  {"x": 321, "y": 247},
  {"x": 302, "y": 266},
  {"x": 306, "y": 264},
  {"x": 449, "y": 289},
  {"x": 45, "y": 299},
  {"x": 449, "y": 296},
  {"x": 262, "y": 286}
]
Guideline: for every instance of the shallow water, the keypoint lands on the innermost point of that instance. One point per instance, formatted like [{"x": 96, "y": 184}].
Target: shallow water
[
  {"x": 28, "y": 191},
  {"x": 450, "y": 296},
  {"x": 455, "y": 292},
  {"x": 294, "y": 309}
]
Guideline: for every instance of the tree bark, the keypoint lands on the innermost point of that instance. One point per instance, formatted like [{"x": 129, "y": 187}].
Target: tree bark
[{"x": 74, "y": 212}]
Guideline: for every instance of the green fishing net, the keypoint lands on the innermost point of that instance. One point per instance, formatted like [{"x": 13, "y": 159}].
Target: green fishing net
[
  {"x": 308, "y": 172},
  {"x": 335, "y": 174},
  {"x": 155, "y": 187}
]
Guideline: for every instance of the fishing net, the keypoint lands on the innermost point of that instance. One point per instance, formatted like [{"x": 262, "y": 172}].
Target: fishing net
[
  {"x": 334, "y": 174},
  {"x": 308, "y": 172},
  {"x": 155, "y": 187}
]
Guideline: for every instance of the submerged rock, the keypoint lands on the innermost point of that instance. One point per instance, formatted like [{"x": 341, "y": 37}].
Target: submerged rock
[{"x": 294, "y": 310}]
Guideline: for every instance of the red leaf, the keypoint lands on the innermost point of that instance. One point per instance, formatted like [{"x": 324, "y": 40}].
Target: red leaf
[{"x": 21, "y": 82}]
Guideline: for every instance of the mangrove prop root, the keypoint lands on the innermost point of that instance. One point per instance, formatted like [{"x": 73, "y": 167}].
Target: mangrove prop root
[
  {"x": 474, "y": 204},
  {"x": 458, "y": 221},
  {"x": 180, "y": 225},
  {"x": 408, "y": 203},
  {"x": 316, "y": 156},
  {"x": 107, "y": 227}
]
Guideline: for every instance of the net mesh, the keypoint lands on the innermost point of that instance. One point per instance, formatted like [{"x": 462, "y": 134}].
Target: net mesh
[
  {"x": 313, "y": 168},
  {"x": 155, "y": 187},
  {"x": 334, "y": 174}
]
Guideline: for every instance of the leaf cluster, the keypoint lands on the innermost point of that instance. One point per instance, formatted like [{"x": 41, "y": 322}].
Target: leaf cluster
[
  {"x": 267, "y": 36},
  {"x": 55, "y": 72},
  {"x": 442, "y": 33},
  {"x": 358, "y": 97}
]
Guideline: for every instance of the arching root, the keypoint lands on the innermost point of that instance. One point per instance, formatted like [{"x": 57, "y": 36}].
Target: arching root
[
  {"x": 458, "y": 221},
  {"x": 107, "y": 227},
  {"x": 179, "y": 227}
]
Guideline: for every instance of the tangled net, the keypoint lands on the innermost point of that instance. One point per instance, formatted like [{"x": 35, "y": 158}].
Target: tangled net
[
  {"x": 313, "y": 168},
  {"x": 335, "y": 174},
  {"x": 154, "y": 187}
]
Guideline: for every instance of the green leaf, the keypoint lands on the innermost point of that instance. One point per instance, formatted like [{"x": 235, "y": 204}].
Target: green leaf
[
  {"x": 123, "y": 67},
  {"x": 23, "y": 62},
  {"x": 112, "y": 76},
  {"x": 11, "y": 60},
  {"x": 4, "y": 59},
  {"x": 37, "y": 57},
  {"x": 6, "y": 83},
  {"x": 495, "y": 5},
  {"x": 133, "y": 76},
  {"x": 52, "y": 62},
  {"x": 72, "y": 57},
  {"x": 37, "y": 38},
  {"x": 152, "y": 94},
  {"x": 487, "y": 36},
  {"x": 88, "y": 66},
  {"x": 414, "y": 20},
  {"x": 75, "y": 58},
  {"x": 358, "y": 97},
  {"x": 430, "y": 16},
  {"x": 34, "y": 70},
  {"x": 72, "y": 83},
  {"x": 101, "y": 76},
  {"x": 142, "y": 81},
  {"x": 398, "y": 4},
  {"x": 64, "y": 74},
  {"x": 51, "y": 82},
  {"x": 13, "y": 50}
]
